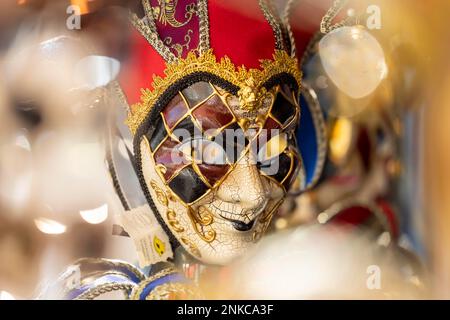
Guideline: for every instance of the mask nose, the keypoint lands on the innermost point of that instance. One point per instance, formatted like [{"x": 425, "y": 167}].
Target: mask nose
[{"x": 244, "y": 186}]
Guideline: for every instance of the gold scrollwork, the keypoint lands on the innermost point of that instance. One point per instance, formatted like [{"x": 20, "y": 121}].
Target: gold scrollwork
[
  {"x": 199, "y": 221},
  {"x": 172, "y": 218},
  {"x": 180, "y": 47},
  {"x": 170, "y": 195},
  {"x": 203, "y": 219},
  {"x": 163, "y": 199},
  {"x": 160, "y": 195},
  {"x": 166, "y": 10}
]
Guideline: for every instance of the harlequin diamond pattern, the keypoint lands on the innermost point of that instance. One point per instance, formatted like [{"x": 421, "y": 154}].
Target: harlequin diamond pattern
[{"x": 199, "y": 109}]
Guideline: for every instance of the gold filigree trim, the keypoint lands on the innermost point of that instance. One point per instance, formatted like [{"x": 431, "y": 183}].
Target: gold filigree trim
[
  {"x": 321, "y": 132},
  {"x": 148, "y": 30},
  {"x": 326, "y": 25},
  {"x": 274, "y": 22},
  {"x": 160, "y": 195},
  {"x": 112, "y": 263},
  {"x": 173, "y": 221},
  {"x": 207, "y": 62},
  {"x": 118, "y": 91},
  {"x": 137, "y": 291},
  {"x": 106, "y": 288},
  {"x": 163, "y": 199},
  {"x": 286, "y": 20},
  {"x": 202, "y": 12}
]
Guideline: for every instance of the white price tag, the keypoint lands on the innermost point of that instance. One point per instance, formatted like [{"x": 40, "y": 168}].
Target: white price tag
[{"x": 151, "y": 242}]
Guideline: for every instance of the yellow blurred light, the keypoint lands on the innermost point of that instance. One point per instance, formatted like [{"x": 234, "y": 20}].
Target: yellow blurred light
[
  {"x": 82, "y": 4},
  {"x": 49, "y": 226},
  {"x": 340, "y": 139},
  {"x": 281, "y": 223},
  {"x": 95, "y": 216}
]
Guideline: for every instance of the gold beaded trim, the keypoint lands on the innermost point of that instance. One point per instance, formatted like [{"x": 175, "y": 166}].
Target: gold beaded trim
[
  {"x": 112, "y": 263},
  {"x": 148, "y": 30},
  {"x": 202, "y": 12},
  {"x": 137, "y": 291},
  {"x": 275, "y": 23},
  {"x": 286, "y": 20},
  {"x": 225, "y": 69},
  {"x": 326, "y": 25},
  {"x": 105, "y": 288}
]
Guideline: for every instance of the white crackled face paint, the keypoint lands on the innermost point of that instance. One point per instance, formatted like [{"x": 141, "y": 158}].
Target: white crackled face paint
[{"x": 217, "y": 193}]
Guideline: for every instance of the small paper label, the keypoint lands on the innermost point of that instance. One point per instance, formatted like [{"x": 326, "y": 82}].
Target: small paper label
[{"x": 151, "y": 242}]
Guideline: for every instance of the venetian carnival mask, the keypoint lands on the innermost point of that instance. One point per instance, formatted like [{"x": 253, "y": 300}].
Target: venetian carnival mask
[{"x": 214, "y": 126}]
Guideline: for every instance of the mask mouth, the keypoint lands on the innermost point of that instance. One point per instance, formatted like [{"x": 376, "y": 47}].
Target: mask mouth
[
  {"x": 239, "y": 221},
  {"x": 241, "y": 226}
]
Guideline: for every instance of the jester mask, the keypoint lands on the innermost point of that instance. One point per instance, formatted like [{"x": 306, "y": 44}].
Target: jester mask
[{"x": 214, "y": 116}]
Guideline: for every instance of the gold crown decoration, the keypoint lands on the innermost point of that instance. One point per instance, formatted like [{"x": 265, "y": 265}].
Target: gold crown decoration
[{"x": 250, "y": 81}]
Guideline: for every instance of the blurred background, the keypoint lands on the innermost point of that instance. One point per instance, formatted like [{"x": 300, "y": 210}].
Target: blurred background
[{"x": 59, "y": 59}]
